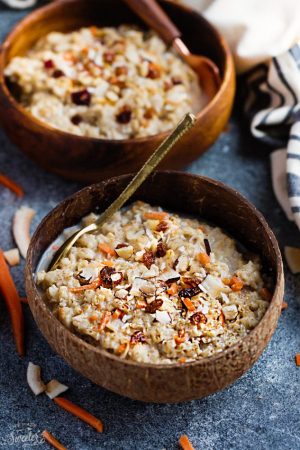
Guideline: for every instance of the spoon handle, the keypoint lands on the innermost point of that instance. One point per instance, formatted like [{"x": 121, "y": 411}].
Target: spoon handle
[
  {"x": 184, "y": 125},
  {"x": 154, "y": 16}
]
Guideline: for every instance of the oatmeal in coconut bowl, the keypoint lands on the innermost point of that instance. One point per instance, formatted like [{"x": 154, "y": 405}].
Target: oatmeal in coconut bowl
[
  {"x": 156, "y": 287},
  {"x": 108, "y": 83}
]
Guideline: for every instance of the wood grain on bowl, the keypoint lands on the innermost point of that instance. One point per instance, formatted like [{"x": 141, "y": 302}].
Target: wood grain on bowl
[
  {"x": 89, "y": 159},
  {"x": 184, "y": 193}
]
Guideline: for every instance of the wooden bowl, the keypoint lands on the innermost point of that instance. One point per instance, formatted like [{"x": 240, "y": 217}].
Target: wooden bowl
[
  {"x": 185, "y": 193},
  {"x": 89, "y": 159}
]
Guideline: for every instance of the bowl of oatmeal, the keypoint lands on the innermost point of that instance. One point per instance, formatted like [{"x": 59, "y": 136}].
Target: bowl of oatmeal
[
  {"x": 171, "y": 292},
  {"x": 91, "y": 96}
]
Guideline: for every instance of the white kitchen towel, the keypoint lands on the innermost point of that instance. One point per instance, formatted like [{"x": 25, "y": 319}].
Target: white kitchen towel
[{"x": 273, "y": 106}]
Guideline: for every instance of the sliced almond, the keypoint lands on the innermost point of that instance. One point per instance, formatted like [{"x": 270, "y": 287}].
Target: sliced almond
[
  {"x": 12, "y": 257},
  {"x": 292, "y": 256},
  {"x": 21, "y": 228},
  {"x": 55, "y": 388},
  {"x": 34, "y": 379}
]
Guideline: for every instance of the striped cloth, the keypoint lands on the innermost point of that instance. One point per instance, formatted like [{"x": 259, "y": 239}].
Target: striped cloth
[{"x": 273, "y": 105}]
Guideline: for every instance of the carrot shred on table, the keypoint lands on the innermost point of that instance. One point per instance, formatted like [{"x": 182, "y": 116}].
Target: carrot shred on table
[
  {"x": 94, "y": 285},
  {"x": 156, "y": 215},
  {"x": 79, "y": 412},
  {"x": 185, "y": 443},
  {"x": 105, "y": 248},
  {"x": 12, "y": 300},
  {"x": 188, "y": 304},
  {"x": 203, "y": 258},
  {"x": 297, "y": 359},
  {"x": 10, "y": 184},
  {"x": 173, "y": 289},
  {"x": 284, "y": 305},
  {"x": 52, "y": 440}
]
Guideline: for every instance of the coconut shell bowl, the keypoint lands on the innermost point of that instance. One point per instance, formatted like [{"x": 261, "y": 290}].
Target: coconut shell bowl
[
  {"x": 88, "y": 159},
  {"x": 184, "y": 193}
]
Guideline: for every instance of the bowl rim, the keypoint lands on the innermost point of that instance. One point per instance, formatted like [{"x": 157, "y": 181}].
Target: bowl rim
[
  {"x": 279, "y": 283},
  {"x": 35, "y": 16}
]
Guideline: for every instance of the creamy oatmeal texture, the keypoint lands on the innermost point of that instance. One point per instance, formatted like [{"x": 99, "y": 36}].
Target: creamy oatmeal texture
[
  {"x": 157, "y": 287},
  {"x": 113, "y": 83}
]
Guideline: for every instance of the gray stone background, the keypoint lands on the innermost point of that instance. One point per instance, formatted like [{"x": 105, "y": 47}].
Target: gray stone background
[{"x": 260, "y": 411}]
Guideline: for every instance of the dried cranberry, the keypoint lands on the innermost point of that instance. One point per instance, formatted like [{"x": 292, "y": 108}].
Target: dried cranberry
[
  {"x": 105, "y": 276},
  {"x": 148, "y": 258},
  {"x": 124, "y": 116},
  {"x": 76, "y": 119},
  {"x": 162, "y": 226},
  {"x": 109, "y": 57},
  {"x": 49, "y": 64},
  {"x": 153, "y": 71},
  {"x": 81, "y": 97},
  {"x": 197, "y": 318},
  {"x": 153, "y": 306},
  {"x": 189, "y": 292},
  {"x": 137, "y": 336},
  {"x": 161, "y": 249},
  {"x": 58, "y": 73}
]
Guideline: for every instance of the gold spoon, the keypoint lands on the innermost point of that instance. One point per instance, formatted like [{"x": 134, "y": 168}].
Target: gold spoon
[
  {"x": 154, "y": 16},
  {"x": 184, "y": 125}
]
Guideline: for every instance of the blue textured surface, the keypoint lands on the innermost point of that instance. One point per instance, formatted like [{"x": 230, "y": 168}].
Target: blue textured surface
[{"x": 260, "y": 411}]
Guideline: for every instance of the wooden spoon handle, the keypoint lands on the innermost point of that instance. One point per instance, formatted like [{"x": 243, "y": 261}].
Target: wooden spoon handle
[{"x": 154, "y": 16}]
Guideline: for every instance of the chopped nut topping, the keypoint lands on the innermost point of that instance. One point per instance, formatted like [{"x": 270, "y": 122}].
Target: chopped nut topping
[
  {"x": 105, "y": 276},
  {"x": 153, "y": 306},
  {"x": 148, "y": 258}
]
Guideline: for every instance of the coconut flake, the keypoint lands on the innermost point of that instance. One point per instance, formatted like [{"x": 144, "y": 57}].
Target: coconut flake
[
  {"x": 170, "y": 275},
  {"x": 34, "y": 379},
  {"x": 55, "y": 388},
  {"x": 292, "y": 256},
  {"x": 163, "y": 317},
  {"x": 21, "y": 228},
  {"x": 12, "y": 256},
  {"x": 89, "y": 274},
  {"x": 213, "y": 285}
]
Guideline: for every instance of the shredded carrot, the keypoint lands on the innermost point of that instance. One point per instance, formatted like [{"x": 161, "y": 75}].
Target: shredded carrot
[
  {"x": 140, "y": 304},
  {"x": 222, "y": 318},
  {"x": 182, "y": 360},
  {"x": 188, "y": 304},
  {"x": 108, "y": 263},
  {"x": 24, "y": 300},
  {"x": 79, "y": 412},
  {"x": 203, "y": 258},
  {"x": 284, "y": 305},
  {"x": 202, "y": 228},
  {"x": 12, "y": 299},
  {"x": 236, "y": 284},
  {"x": 185, "y": 443},
  {"x": 265, "y": 294},
  {"x": 226, "y": 281},
  {"x": 116, "y": 314},
  {"x": 52, "y": 440},
  {"x": 297, "y": 359},
  {"x": 156, "y": 215},
  {"x": 105, "y": 248},
  {"x": 93, "y": 319},
  {"x": 121, "y": 348},
  {"x": 179, "y": 339},
  {"x": 10, "y": 184},
  {"x": 94, "y": 285},
  {"x": 104, "y": 320},
  {"x": 173, "y": 289}
]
